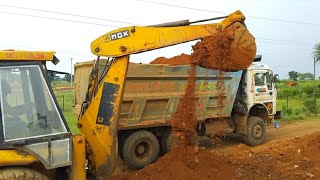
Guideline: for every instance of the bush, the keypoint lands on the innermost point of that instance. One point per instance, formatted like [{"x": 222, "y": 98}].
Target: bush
[
  {"x": 290, "y": 92},
  {"x": 311, "y": 106},
  {"x": 293, "y": 114}
]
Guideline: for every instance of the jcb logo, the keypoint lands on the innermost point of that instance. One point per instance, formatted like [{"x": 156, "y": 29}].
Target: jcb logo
[{"x": 118, "y": 35}]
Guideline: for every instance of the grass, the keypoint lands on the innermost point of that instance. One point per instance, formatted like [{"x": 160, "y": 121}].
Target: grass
[
  {"x": 66, "y": 102},
  {"x": 302, "y": 84}
]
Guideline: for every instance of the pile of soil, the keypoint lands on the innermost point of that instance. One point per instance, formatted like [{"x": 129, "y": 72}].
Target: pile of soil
[
  {"x": 295, "y": 158},
  {"x": 183, "y": 59},
  {"x": 184, "y": 163}
]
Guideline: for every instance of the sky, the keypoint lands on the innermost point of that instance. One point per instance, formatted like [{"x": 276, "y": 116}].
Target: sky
[{"x": 286, "y": 31}]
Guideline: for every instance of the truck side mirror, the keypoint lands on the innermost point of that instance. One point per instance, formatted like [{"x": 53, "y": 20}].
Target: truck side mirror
[{"x": 276, "y": 78}]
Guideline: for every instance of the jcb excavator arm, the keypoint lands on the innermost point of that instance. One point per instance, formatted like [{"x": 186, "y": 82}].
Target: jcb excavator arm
[
  {"x": 99, "y": 118},
  {"x": 134, "y": 39}
]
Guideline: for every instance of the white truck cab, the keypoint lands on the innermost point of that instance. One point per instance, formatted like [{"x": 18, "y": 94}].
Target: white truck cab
[
  {"x": 255, "y": 102},
  {"x": 261, "y": 89}
]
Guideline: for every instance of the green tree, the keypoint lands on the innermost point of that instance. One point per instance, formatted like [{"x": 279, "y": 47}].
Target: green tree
[
  {"x": 316, "y": 52},
  {"x": 293, "y": 75},
  {"x": 67, "y": 77},
  {"x": 305, "y": 76}
]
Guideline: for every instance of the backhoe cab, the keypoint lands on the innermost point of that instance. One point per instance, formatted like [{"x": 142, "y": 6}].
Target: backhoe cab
[{"x": 32, "y": 126}]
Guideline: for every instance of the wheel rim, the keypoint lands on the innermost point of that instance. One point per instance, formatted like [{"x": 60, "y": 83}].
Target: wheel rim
[
  {"x": 143, "y": 150},
  {"x": 257, "y": 131}
]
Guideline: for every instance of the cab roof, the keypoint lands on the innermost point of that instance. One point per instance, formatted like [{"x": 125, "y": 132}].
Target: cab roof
[
  {"x": 14, "y": 55},
  {"x": 258, "y": 65}
]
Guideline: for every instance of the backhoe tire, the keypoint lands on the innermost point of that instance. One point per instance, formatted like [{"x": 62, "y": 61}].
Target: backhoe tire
[
  {"x": 140, "y": 149},
  {"x": 256, "y": 131},
  {"x": 18, "y": 173}
]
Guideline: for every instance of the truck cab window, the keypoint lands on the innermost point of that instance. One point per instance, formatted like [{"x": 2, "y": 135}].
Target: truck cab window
[
  {"x": 259, "y": 79},
  {"x": 269, "y": 81}
]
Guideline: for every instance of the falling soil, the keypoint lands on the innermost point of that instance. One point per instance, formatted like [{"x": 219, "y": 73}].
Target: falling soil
[{"x": 184, "y": 121}]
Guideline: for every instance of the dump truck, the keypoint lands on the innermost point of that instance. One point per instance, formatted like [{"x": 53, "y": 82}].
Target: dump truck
[
  {"x": 152, "y": 93},
  {"x": 35, "y": 139}
]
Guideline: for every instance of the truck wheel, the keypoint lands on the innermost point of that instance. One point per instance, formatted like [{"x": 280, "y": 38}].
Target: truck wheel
[
  {"x": 166, "y": 141},
  {"x": 256, "y": 131},
  {"x": 139, "y": 149},
  {"x": 21, "y": 174}
]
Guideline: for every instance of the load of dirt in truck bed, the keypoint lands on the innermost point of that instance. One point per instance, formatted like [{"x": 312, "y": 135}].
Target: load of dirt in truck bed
[
  {"x": 295, "y": 158},
  {"x": 183, "y": 59}
]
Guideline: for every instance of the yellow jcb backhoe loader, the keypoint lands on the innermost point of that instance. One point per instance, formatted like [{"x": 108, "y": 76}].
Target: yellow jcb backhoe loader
[{"x": 35, "y": 140}]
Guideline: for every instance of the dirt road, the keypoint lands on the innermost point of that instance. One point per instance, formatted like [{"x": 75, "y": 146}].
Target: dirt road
[
  {"x": 293, "y": 129},
  {"x": 287, "y": 130},
  {"x": 290, "y": 152}
]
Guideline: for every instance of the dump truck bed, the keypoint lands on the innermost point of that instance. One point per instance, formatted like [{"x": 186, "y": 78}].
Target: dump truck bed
[{"x": 152, "y": 93}]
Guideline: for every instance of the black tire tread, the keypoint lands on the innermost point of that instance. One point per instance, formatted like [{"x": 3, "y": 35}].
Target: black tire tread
[
  {"x": 166, "y": 142},
  {"x": 126, "y": 151},
  {"x": 20, "y": 173},
  {"x": 248, "y": 139}
]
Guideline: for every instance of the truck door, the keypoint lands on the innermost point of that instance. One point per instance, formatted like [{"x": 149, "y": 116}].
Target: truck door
[{"x": 264, "y": 90}]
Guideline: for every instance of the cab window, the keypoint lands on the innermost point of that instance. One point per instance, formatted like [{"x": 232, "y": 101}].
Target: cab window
[
  {"x": 27, "y": 106},
  {"x": 269, "y": 80},
  {"x": 260, "y": 79}
]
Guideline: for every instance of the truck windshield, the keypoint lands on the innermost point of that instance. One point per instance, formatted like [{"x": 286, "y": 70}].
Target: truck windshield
[
  {"x": 259, "y": 79},
  {"x": 27, "y": 106}
]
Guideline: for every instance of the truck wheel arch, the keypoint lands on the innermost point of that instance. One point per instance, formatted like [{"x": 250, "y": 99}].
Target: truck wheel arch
[
  {"x": 241, "y": 121},
  {"x": 259, "y": 110}
]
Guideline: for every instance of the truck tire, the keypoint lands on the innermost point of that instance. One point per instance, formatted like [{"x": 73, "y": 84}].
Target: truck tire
[
  {"x": 19, "y": 173},
  {"x": 256, "y": 131},
  {"x": 139, "y": 149},
  {"x": 166, "y": 141}
]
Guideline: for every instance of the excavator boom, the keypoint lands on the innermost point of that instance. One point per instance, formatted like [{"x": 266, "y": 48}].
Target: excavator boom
[{"x": 135, "y": 39}]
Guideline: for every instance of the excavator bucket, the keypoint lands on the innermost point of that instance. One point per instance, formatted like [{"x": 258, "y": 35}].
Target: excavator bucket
[{"x": 231, "y": 49}]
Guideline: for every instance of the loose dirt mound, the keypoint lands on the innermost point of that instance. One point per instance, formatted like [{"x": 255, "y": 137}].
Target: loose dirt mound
[
  {"x": 184, "y": 163},
  {"x": 296, "y": 158},
  {"x": 182, "y": 59}
]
